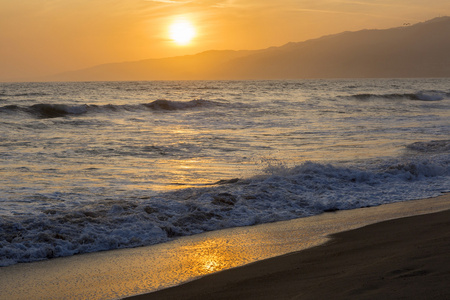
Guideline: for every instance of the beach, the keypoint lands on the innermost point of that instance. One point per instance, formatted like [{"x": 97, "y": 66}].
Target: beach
[
  {"x": 405, "y": 258},
  {"x": 115, "y": 189},
  {"x": 96, "y": 166},
  {"x": 191, "y": 150},
  {"x": 374, "y": 259}
]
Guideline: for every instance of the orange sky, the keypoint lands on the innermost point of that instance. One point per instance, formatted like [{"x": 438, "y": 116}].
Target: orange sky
[{"x": 40, "y": 37}]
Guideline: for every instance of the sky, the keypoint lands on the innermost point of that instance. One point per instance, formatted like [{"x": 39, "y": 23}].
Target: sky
[{"x": 44, "y": 37}]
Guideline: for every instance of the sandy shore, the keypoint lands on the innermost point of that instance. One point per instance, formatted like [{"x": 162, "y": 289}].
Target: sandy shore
[
  {"x": 373, "y": 261},
  {"x": 407, "y": 258}
]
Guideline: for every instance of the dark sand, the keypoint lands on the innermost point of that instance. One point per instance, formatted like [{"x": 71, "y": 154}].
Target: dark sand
[{"x": 406, "y": 258}]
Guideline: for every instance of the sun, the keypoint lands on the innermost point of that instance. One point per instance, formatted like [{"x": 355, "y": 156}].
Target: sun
[{"x": 182, "y": 32}]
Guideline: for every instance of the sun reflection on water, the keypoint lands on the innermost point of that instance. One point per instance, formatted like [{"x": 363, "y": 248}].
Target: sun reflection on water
[
  {"x": 211, "y": 266},
  {"x": 213, "y": 256}
]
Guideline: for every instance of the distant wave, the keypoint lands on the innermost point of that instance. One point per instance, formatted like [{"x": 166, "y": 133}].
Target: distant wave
[
  {"x": 430, "y": 146},
  {"x": 178, "y": 105},
  {"x": 47, "y": 110},
  {"x": 420, "y": 96},
  {"x": 32, "y": 94},
  {"x": 38, "y": 94},
  {"x": 44, "y": 110}
]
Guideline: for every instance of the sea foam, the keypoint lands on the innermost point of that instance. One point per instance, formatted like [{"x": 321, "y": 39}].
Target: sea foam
[
  {"x": 93, "y": 166},
  {"x": 420, "y": 96},
  {"x": 286, "y": 193}
]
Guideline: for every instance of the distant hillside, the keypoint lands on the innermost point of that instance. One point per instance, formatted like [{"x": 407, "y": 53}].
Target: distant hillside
[{"x": 420, "y": 50}]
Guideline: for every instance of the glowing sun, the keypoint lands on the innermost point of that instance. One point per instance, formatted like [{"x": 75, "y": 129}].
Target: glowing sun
[{"x": 182, "y": 32}]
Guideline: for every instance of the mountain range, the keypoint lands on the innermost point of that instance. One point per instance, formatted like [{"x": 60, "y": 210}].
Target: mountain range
[{"x": 419, "y": 50}]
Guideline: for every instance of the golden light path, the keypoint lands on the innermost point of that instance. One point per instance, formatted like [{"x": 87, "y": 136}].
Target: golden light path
[
  {"x": 182, "y": 31},
  {"x": 121, "y": 273}
]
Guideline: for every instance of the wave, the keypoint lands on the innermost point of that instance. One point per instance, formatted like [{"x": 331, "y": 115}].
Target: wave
[
  {"x": 31, "y": 94},
  {"x": 419, "y": 96},
  {"x": 286, "y": 193},
  {"x": 44, "y": 110},
  {"x": 179, "y": 105},
  {"x": 430, "y": 146}
]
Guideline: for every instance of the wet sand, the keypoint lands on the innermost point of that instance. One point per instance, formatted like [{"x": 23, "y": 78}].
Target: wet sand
[
  {"x": 407, "y": 258},
  {"x": 360, "y": 264}
]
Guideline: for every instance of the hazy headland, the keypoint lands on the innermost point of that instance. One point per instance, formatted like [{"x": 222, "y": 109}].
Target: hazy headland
[{"x": 418, "y": 50}]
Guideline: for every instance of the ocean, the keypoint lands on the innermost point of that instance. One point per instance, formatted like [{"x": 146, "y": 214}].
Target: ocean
[{"x": 94, "y": 166}]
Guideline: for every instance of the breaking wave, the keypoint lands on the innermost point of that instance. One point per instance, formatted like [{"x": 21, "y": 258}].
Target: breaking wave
[
  {"x": 43, "y": 110},
  {"x": 286, "y": 193},
  {"x": 430, "y": 146},
  {"x": 419, "y": 96}
]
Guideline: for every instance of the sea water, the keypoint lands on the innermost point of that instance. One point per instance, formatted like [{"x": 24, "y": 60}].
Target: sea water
[{"x": 93, "y": 166}]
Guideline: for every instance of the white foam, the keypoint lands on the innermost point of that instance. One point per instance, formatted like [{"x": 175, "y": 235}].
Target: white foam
[
  {"x": 118, "y": 274},
  {"x": 78, "y": 178},
  {"x": 431, "y": 96},
  {"x": 288, "y": 193}
]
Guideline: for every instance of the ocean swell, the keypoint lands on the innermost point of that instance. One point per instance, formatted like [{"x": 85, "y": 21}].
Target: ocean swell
[
  {"x": 418, "y": 96},
  {"x": 178, "y": 105},
  {"x": 44, "y": 110},
  {"x": 430, "y": 146}
]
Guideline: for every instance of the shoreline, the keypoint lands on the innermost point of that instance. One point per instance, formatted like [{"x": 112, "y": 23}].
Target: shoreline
[
  {"x": 406, "y": 258},
  {"x": 123, "y": 273}
]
